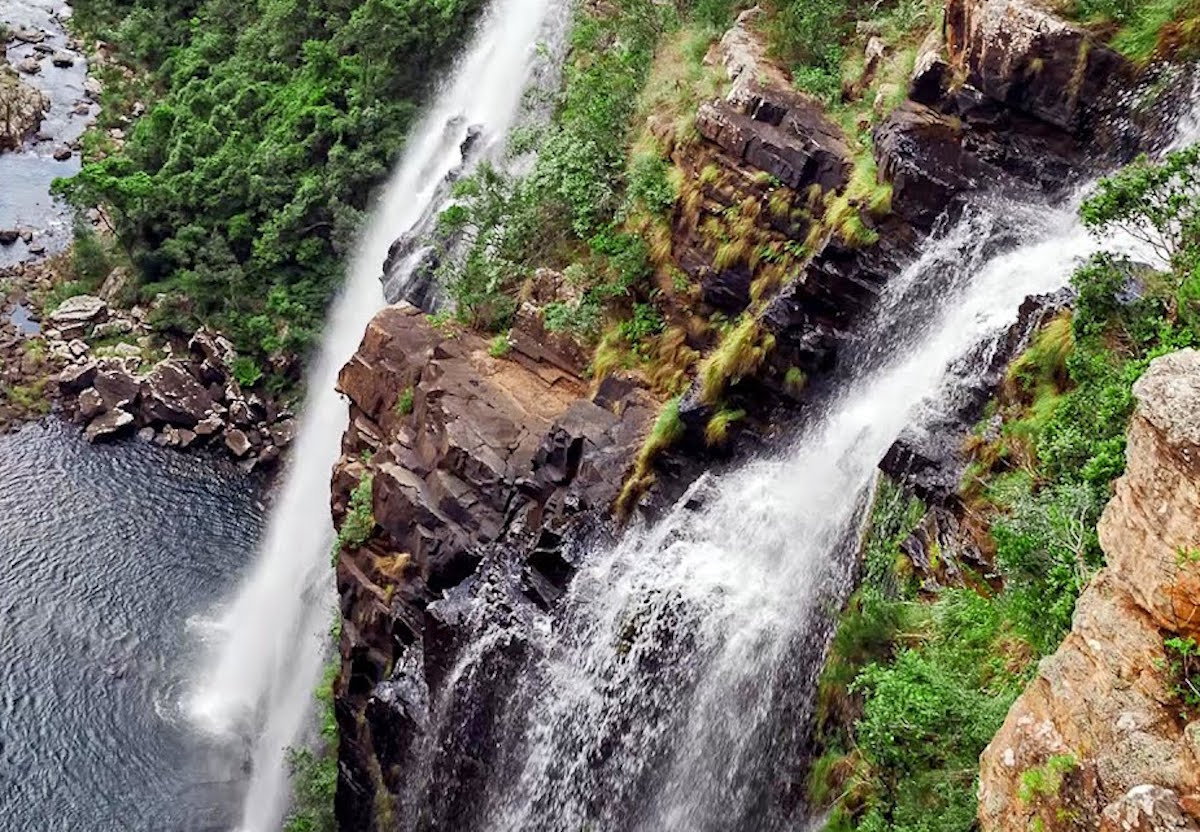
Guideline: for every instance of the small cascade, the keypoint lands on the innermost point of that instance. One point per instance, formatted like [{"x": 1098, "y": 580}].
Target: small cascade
[{"x": 270, "y": 641}]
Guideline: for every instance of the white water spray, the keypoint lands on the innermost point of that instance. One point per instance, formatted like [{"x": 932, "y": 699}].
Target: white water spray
[
  {"x": 668, "y": 698},
  {"x": 272, "y": 637}
]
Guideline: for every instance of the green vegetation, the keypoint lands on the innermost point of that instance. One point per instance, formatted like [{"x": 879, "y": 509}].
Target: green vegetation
[
  {"x": 269, "y": 123},
  {"x": 1183, "y": 663},
  {"x": 359, "y": 521},
  {"x": 404, "y": 402},
  {"x": 1044, "y": 781},
  {"x": 315, "y": 770},
  {"x": 668, "y": 429},
  {"x": 499, "y": 347},
  {"x": 1144, "y": 29},
  {"x": 916, "y": 686}
]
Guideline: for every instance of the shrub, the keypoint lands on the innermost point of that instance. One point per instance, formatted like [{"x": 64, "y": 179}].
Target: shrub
[
  {"x": 359, "y": 521},
  {"x": 499, "y": 347},
  {"x": 404, "y": 402}
]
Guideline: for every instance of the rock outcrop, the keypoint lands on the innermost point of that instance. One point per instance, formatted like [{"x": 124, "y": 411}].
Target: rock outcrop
[
  {"x": 22, "y": 108},
  {"x": 466, "y": 458},
  {"x": 1105, "y": 710}
]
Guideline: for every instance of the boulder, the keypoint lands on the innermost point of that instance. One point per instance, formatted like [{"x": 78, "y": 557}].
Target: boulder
[
  {"x": 237, "y": 442},
  {"x": 210, "y": 425},
  {"x": 23, "y": 107},
  {"x": 27, "y": 35},
  {"x": 62, "y": 153},
  {"x": 170, "y": 394},
  {"x": 109, "y": 425},
  {"x": 8, "y": 236},
  {"x": 1147, "y": 809},
  {"x": 74, "y": 315},
  {"x": 76, "y": 378},
  {"x": 63, "y": 60},
  {"x": 1020, "y": 52},
  {"x": 115, "y": 284},
  {"x": 117, "y": 389},
  {"x": 90, "y": 404},
  {"x": 283, "y": 432},
  {"x": 29, "y": 66}
]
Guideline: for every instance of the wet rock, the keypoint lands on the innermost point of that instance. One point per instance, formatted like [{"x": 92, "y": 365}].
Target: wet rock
[
  {"x": 170, "y": 394},
  {"x": 63, "y": 60},
  {"x": 283, "y": 433},
  {"x": 8, "y": 236},
  {"x": 146, "y": 434},
  {"x": 28, "y": 67},
  {"x": 931, "y": 73},
  {"x": 62, "y": 153},
  {"x": 110, "y": 425},
  {"x": 26, "y": 35},
  {"x": 93, "y": 88}
]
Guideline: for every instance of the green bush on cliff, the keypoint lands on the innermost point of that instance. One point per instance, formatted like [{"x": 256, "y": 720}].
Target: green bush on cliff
[{"x": 243, "y": 186}]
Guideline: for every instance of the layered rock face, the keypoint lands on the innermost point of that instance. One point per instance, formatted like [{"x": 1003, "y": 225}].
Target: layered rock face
[
  {"x": 1103, "y": 723},
  {"x": 473, "y": 464}
]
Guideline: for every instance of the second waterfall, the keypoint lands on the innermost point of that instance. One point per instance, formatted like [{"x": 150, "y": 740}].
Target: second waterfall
[{"x": 269, "y": 643}]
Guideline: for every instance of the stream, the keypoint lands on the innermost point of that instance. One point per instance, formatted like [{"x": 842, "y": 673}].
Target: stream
[{"x": 26, "y": 175}]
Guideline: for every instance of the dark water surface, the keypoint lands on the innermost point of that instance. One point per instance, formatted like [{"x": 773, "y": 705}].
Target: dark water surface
[{"x": 105, "y": 554}]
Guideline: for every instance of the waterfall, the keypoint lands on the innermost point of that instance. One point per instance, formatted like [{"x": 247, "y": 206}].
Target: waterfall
[
  {"x": 270, "y": 640},
  {"x": 672, "y": 689}
]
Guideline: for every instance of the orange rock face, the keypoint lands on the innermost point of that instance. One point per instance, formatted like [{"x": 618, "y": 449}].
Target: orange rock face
[{"x": 1106, "y": 699}]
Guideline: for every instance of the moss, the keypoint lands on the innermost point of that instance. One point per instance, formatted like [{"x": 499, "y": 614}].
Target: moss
[
  {"x": 1045, "y": 780},
  {"x": 499, "y": 347}
]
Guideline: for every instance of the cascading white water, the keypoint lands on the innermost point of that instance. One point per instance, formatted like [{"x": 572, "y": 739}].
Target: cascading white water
[
  {"x": 685, "y": 660},
  {"x": 270, "y": 641}
]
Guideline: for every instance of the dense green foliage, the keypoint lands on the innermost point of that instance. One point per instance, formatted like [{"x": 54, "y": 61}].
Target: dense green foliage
[
  {"x": 314, "y": 770},
  {"x": 916, "y": 687},
  {"x": 243, "y": 186}
]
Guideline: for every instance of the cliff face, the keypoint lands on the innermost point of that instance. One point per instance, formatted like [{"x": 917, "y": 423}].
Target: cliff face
[
  {"x": 465, "y": 455},
  {"x": 1101, "y": 738},
  {"x": 470, "y": 480}
]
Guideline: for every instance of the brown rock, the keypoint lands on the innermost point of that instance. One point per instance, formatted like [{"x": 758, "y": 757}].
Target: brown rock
[
  {"x": 77, "y": 378},
  {"x": 237, "y": 442},
  {"x": 1105, "y": 697},
  {"x": 170, "y": 394}
]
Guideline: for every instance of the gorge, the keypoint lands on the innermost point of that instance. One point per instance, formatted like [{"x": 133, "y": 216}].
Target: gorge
[{"x": 713, "y": 392}]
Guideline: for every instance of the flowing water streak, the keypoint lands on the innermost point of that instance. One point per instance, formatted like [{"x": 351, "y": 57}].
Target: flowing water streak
[
  {"x": 676, "y": 687},
  {"x": 272, "y": 637}
]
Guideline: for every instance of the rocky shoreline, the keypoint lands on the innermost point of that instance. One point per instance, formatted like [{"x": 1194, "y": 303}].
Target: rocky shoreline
[{"x": 90, "y": 357}]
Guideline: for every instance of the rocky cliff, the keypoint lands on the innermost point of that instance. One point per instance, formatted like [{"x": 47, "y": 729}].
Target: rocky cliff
[
  {"x": 474, "y": 476},
  {"x": 466, "y": 457},
  {"x": 1104, "y": 737}
]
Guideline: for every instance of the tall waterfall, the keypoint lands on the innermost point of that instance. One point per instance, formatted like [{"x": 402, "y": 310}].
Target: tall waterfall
[
  {"x": 271, "y": 639},
  {"x": 672, "y": 689}
]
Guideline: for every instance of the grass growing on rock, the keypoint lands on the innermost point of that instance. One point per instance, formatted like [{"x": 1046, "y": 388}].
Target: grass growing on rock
[
  {"x": 668, "y": 429},
  {"x": 917, "y": 683}
]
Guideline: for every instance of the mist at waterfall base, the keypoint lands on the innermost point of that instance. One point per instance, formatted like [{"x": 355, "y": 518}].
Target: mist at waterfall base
[
  {"x": 103, "y": 552},
  {"x": 270, "y": 641}
]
